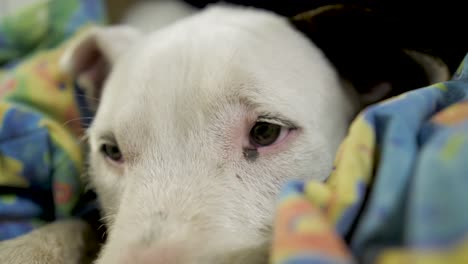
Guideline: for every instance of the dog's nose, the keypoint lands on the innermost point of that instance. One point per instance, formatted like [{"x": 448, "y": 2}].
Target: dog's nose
[{"x": 156, "y": 255}]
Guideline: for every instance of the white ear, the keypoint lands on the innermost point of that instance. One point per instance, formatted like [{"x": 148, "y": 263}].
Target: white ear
[{"x": 89, "y": 59}]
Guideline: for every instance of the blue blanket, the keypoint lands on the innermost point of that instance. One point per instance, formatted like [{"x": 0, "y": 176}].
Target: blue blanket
[
  {"x": 40, "y": 150},
  {"x": 398, "y": 193}
]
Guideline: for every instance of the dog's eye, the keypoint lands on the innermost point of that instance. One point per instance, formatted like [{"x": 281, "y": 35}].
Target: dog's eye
[
  {"x": 112, "y": 152},
  {"x": 264, "y": 134}
]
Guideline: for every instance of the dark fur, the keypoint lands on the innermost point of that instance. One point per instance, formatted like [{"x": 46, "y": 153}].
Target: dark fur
[{"x": 365, "y": 39}]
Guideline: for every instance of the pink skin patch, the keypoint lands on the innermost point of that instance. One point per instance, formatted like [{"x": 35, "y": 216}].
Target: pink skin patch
[
  {"x": 115, "y": 162},
  {"x": 286, "y": 136}
]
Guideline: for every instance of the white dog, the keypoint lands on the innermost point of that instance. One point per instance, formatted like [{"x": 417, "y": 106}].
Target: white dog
[{"x": 198, "y": 126}]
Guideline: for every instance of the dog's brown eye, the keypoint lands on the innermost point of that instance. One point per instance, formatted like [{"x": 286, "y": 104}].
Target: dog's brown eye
[
  {"x": 264, "y": 134},
  {"x": 112, "y": 152}
]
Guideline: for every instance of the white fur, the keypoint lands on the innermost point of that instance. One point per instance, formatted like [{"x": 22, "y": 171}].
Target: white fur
[{"x": 150, "y": 15}]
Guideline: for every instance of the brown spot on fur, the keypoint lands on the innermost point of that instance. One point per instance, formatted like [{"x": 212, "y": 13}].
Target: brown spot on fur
[{"x": 250, "y": 154}]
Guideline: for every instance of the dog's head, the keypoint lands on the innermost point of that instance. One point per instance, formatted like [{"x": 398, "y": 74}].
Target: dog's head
[{"x": 197, "y": 127}]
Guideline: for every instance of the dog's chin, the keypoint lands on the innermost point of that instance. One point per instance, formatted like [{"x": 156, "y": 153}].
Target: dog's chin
[
  {"x": 174, "y": 256},
  {"x": 193, "y": 250},
  {"x": 257, "y": 255}
]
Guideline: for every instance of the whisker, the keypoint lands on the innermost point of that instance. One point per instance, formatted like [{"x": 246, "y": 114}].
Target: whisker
[
  {"x": 84, "y": 138},
  {"x": 101, "y": 226},
  {"x": 105, "y": 230},
  {"x": 77, "y": 119},
  {"x": 89, "y": 108},
  {"x": 107, "y": 217},
  {"x": 88, "y": 97}
]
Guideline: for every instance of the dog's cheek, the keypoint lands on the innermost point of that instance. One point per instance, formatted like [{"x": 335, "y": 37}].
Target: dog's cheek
[{"x": 107, "y": 186}]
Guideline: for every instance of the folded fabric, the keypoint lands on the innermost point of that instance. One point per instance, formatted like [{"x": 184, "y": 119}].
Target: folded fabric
[
  {"x": 398, "y": 190},
  {"x": 41, "y": 157}
]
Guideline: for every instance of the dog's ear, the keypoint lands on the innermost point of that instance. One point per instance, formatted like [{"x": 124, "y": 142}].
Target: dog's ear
[
  {"x": 89, "y": 58},
  {"x": 365, "y": 49}
]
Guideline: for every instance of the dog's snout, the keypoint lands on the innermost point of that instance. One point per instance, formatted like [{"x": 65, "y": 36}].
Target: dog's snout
[{"x": 167, "y": 254}]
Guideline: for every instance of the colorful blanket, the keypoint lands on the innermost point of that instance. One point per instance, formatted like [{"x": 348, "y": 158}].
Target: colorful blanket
[
  {"x": 398, "y": 193},
  {"x": 40, "y": 152}
]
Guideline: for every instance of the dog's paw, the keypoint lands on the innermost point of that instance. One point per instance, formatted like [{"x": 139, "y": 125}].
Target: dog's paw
[{"x": 70, "y": 242}]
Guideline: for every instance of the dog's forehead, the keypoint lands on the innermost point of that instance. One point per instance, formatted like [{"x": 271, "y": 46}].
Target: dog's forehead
[
  {"x": 176, "y": 70},
  {"x": 169, "y": 87},
  {"x": 213, "y": 55},
  {"x": 194, "y": 76},
  {"x": 185, "y": 73}
]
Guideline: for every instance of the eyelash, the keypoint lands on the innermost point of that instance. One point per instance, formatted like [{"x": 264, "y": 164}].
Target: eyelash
[{"x": 268, "y": 118}]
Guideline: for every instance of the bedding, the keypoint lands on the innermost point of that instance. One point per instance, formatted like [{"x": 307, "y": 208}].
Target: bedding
[
  {"x": 397, "y": 193},
  {"x": 40, "y": 108}
]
